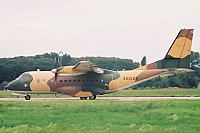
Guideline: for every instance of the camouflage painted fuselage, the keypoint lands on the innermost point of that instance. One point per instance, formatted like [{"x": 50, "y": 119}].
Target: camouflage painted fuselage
[
  {"x": 85, "y": 79},
  {"x": 83, "y": 85}
]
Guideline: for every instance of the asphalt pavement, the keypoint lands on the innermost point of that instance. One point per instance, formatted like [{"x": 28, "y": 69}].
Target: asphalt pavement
[{"x": 105, "y": 98}]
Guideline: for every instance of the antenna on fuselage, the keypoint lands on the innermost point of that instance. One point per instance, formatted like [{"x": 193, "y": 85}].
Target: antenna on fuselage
[{"x": 60, "y": 57}]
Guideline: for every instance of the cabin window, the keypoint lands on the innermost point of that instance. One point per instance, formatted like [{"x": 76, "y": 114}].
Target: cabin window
[
  {"x": 88, "y": 80},
  {"x": 74, "y": 80},
  {"x": 60, "y": 80},
  {"x": 83, "y": 80},
  {"x": 79, "y": 80},
  {"x": 92, "y": 80},
  {"x": 65, "y": 80},
  {"x": 70, "y": 80},
  {"x": 97, "y": 80}
]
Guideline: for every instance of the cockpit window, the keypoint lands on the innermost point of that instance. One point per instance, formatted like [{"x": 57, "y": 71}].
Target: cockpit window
[{"x": 25, "y": 78}]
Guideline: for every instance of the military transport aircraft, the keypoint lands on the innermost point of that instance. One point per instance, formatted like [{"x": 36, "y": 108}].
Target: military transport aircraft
[{"x": 85, "y": 79}]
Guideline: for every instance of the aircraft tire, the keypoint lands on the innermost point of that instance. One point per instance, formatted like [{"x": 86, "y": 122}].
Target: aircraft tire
[
  {"x": 83, "y": 98},
  {"x": 92, "y": 97},
  {"x": 27, "y": 97}
]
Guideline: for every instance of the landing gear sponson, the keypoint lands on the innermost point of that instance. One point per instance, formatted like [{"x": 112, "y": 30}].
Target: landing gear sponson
[{"x": 91, "y": 98}]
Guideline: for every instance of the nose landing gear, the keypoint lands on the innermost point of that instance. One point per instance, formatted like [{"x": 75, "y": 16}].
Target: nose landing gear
[{"x": 27, "y": 97}]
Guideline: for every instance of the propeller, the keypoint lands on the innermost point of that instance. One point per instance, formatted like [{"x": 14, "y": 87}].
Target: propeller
[{"x": 57, "y": 64}]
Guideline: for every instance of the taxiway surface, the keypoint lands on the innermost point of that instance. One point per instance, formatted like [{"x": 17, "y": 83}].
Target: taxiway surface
[{"x": 104, "y": 98}]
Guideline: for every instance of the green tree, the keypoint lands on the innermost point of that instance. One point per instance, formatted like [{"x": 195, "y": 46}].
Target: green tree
[
  {"x": 194, "y": 60},
  {"x": 174, "y": 82},
  {"x": 66, "y": 59},
  {"x": 110, "y": 63},
  {"x": 143, "y": 61},
  {"x": 2, "y": 74}
]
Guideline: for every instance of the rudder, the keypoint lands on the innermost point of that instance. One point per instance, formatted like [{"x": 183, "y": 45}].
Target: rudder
[{"x": 178, "y": 55}]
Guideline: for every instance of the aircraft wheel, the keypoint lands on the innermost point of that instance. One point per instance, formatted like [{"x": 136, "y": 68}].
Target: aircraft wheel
[
  {"x": 92, "y": 97},
  {"x": 27, "y": 97},
  {"x": 83, "y": 98}
]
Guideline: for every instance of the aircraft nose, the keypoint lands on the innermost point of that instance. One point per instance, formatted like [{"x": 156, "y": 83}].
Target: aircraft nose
[{"x": 11, "y": 86}]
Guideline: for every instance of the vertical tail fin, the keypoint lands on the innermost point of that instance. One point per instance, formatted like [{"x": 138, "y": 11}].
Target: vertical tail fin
[{"x": 178, "y": 56}]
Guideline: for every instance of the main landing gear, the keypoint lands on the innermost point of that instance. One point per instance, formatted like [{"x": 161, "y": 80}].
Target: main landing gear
[
  {"x": 83, "y": 98},
  {"x": 27, "y": 97},
  {"x": 91, "y": 98}
]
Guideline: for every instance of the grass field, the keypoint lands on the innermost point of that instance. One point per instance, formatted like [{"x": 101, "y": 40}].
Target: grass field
[
  {"x": 146, "y": 92},
  {"x": 170, "y": 92},
  {"x": 100, "y": 116}
]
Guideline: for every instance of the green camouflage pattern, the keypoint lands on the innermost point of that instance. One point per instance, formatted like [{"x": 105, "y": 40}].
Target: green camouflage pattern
[{"x": 85, "y": 79}]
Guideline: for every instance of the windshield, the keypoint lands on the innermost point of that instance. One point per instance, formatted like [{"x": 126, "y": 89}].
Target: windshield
[{"x": 24, "y": 77}]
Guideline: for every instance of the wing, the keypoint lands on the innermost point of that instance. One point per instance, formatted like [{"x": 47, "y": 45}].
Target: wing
[{"x": 87, "y": 66}]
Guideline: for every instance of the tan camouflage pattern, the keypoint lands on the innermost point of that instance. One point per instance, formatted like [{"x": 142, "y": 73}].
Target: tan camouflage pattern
[
  {"x": 85, "y": 79},
  {"x": 178, "y": 55},
  {"x": 184, "y": 42}
]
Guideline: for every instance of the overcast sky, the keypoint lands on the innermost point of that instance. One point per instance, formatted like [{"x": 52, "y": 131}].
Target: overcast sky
[{"x": 109, "y": 28}]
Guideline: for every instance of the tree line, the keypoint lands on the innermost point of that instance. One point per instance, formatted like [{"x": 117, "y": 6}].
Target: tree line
[{"x": 11, "y": 68}]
